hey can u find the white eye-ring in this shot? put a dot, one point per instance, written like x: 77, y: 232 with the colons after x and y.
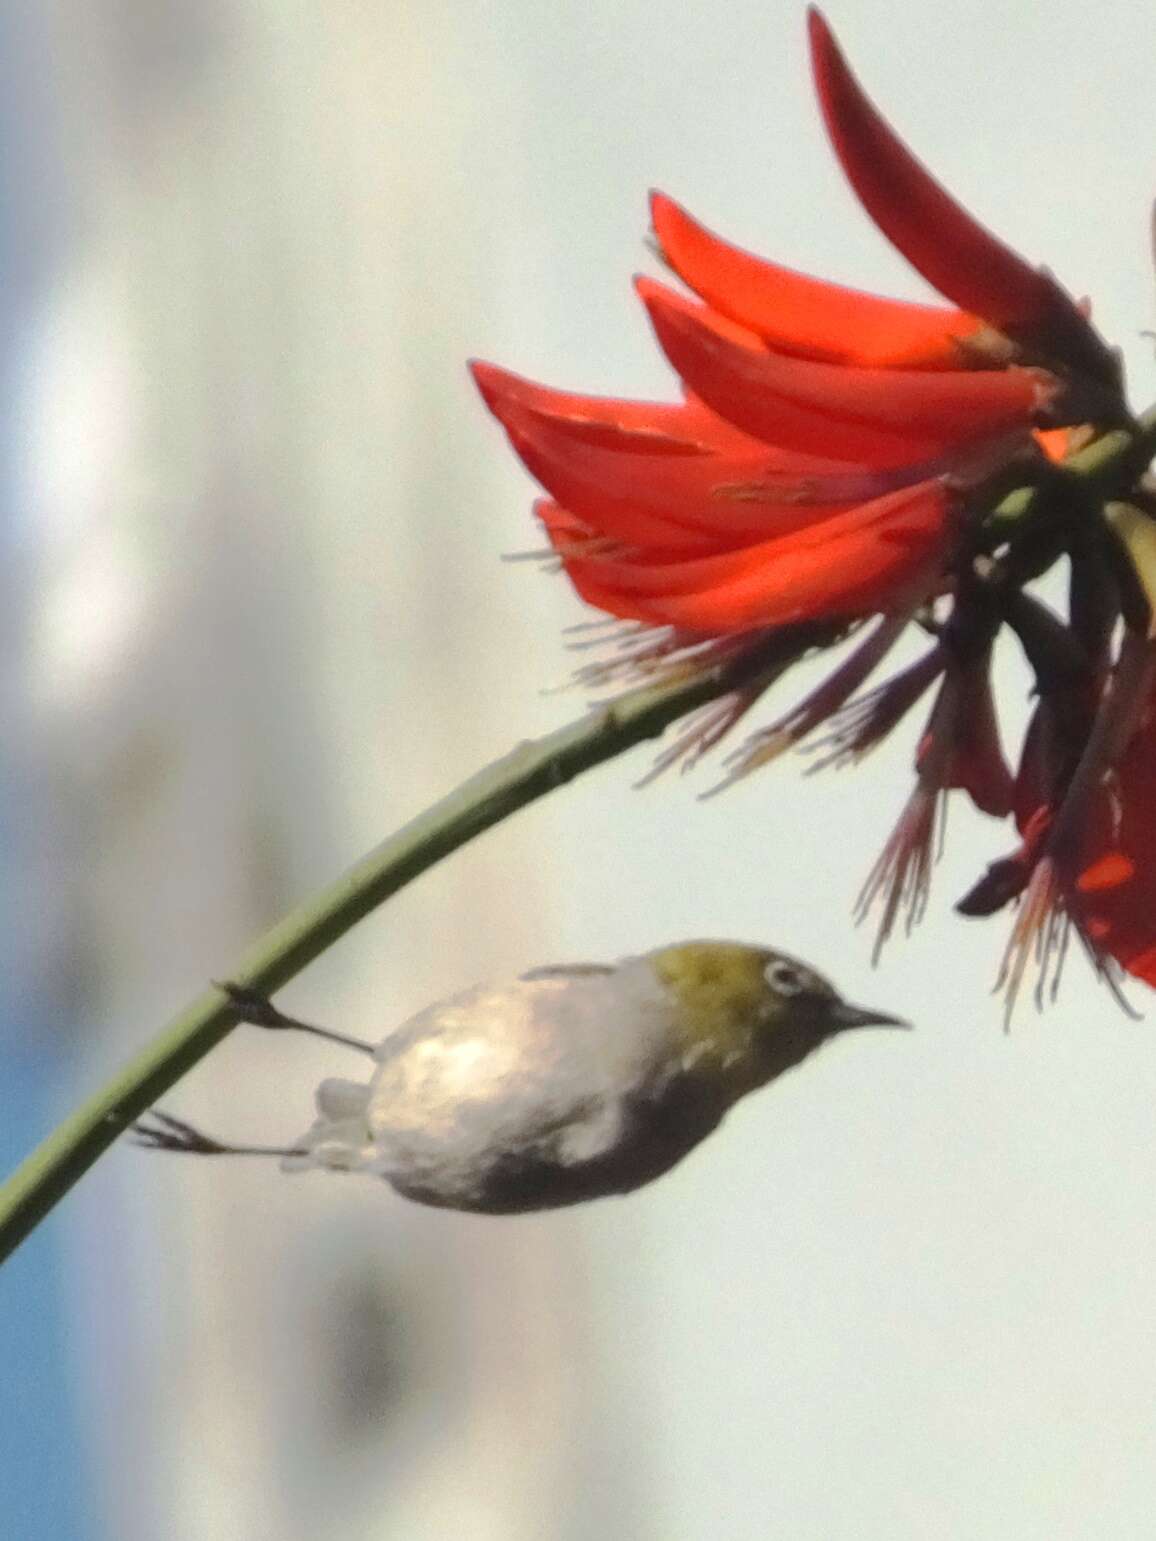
x: 785, y: 978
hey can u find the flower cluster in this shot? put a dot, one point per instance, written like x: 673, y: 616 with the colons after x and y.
x: 844, y: 466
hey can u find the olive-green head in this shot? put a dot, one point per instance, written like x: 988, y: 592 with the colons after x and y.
x: 747, y: 1013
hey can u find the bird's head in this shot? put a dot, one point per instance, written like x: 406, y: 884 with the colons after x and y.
x: 750, y: 1012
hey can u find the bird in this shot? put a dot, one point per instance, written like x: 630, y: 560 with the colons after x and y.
x: 571, y: 1082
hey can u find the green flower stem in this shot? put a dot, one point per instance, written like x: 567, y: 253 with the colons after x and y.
x: 528, y: 772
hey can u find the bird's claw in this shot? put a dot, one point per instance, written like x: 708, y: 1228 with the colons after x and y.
x: 169, y: 1133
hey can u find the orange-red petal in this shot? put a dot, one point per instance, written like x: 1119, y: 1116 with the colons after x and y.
x: 875, y: 416
x: 857, y: 563
x: 805, y: 316
x: 938, y: 237
x: 955, y: 253
x: 565, y: 532
x: 613, y: 491
x: 748, y: 468
x: 657, y: 427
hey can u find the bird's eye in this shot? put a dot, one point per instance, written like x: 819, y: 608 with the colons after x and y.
x: 785, y: 978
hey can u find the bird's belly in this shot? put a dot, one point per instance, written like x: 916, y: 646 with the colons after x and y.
x: 613, y: 1152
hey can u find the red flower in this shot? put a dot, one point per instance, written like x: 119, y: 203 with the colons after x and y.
x: 836, y: 457
x: 804, y: 475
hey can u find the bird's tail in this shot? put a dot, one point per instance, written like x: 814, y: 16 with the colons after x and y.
x: 339, y: 1136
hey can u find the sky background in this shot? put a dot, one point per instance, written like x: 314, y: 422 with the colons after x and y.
x: 258, y: 512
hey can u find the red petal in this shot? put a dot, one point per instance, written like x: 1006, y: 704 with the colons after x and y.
x: 858, y: 563
x: 675, y: 428
x: 978, y: 766
x: 804, y: 316
x: 617, y: 493
x: 941, y: 240
x: 684, y: 429
x: 563, y: 530
x: 877, y: 416
x: 618, y: 519
x: 1114, y: 896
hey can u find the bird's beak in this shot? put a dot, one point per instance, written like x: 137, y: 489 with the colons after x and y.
x: 845, y: 1015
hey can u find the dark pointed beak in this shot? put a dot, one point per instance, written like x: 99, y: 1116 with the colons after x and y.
x: 845, y: 1015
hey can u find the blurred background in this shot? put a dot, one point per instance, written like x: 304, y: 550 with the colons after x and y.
x: 254, y: 618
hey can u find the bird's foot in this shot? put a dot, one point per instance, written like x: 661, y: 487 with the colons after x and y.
x: 165, y: 1132
x: 253, y: 1007
x: 259, y: 1011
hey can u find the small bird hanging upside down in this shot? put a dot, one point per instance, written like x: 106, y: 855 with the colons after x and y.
x: 569, y: 1083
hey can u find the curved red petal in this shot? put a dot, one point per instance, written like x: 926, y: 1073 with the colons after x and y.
x: 1113, y: 894
x: 615, y: 518
x: 741, y: 468
x: 856, y: 564
x: 978, y: 766
x: 563, y: 530
x: 804, y: 316
x: 612, y: 490
x: 685, y: 427
x: 878, y: 416
x: 955, y: 253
